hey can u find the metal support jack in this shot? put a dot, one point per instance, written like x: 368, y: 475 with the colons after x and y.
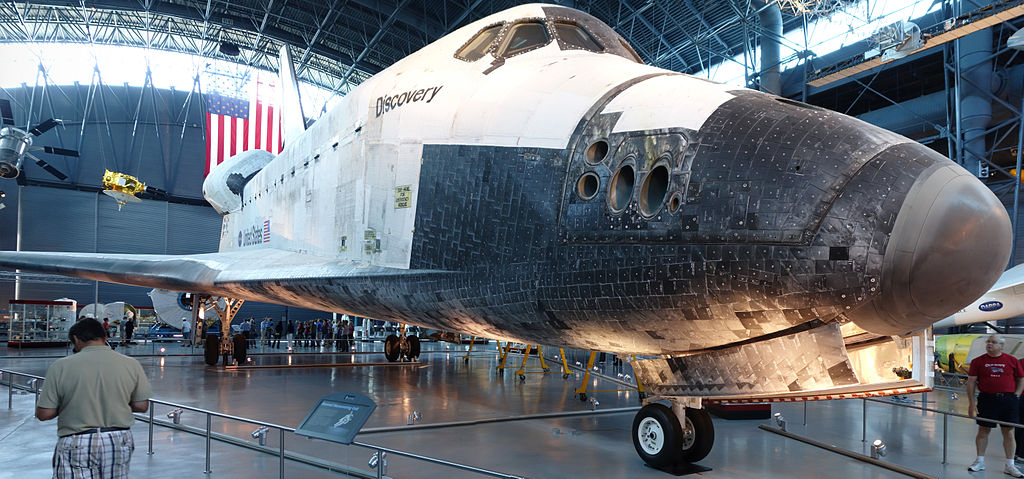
x: 581, y: 392
x: 469, y: 351
x: 503, y: 353
x: 527, y: 351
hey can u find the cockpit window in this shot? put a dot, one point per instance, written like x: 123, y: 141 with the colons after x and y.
x: 573, y: 36
x: 525, y: 36
x: 477, y: 47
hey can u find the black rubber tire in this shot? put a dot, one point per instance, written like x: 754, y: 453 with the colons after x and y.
x: 241, y: 344
x: 211, y: 349
x: 582, y: 396
x: 703, y: 435
x: 391, y: 348
x: 414, y: 346
x: 658, y: 423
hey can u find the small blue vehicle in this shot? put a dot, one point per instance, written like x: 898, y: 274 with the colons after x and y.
x: 159, y: 332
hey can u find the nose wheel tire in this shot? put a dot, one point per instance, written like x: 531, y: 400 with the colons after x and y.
x: 698, y: 435
x: 661, y: 441
x: 657, y: 435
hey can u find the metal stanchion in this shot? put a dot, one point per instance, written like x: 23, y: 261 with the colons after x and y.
x: 209, y: 426
x: 805, y: 413
x: 282, y: 453
x: 864, y: 421
x: 151, y: 408
x: 10, y: 390
x: 945, y: 435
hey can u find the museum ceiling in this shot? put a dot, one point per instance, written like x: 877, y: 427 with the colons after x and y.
x: 339, y: 43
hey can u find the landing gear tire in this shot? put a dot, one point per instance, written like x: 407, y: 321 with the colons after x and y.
x: 414, y: 346
x: 657, y: 436
x: 392, y: 348
x: 211, y: 349
x: 583, y: 397
x: 241, y: 344
x: 661, y: 441
x: 698, y: 435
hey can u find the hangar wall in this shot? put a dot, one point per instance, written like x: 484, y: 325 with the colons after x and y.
x: 165, y: 148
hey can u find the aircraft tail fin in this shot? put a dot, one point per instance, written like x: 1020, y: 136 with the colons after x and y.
x: 293, y: 121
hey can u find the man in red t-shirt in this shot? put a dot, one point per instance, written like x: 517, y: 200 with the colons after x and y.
x: 1000, y: 378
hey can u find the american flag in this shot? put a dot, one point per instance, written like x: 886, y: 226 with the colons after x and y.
x: 234, y: 125
x: 266, y: 231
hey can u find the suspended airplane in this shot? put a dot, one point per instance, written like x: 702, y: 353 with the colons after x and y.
x: 527, y: 177
x: 16, y: 144
x: 1004, y: 300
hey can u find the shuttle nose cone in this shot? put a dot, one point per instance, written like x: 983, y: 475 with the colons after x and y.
x: 950, y: 242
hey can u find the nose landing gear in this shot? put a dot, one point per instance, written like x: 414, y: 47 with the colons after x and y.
x: 668, y: 436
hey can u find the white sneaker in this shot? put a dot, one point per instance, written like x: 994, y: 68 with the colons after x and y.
x: 978, y: 466
x: 1012, y: 470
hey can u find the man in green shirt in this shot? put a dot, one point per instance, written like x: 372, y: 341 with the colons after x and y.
x: 93, y: 394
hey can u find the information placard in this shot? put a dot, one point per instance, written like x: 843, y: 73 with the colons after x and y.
x: 337, y: 417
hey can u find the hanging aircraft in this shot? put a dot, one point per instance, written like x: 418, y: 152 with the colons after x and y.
x: 16, y: 144
x: 528, y: 178
x: 1004, y: 300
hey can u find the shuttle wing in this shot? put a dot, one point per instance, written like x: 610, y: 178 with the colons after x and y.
x: 250, y: 274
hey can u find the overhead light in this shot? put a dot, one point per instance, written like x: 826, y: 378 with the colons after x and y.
x: 2, y: 194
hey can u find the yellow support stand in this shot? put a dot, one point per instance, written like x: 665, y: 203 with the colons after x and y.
x: 523, y: 369
x: 504, y: 354
x: 581, y: 392
x: 470, y: 350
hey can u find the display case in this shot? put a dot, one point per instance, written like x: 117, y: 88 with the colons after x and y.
x: 40, y: 323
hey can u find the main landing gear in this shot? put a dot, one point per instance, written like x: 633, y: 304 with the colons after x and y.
x: 401, y: 347
x: 667, y: 436
x: 233, y: 349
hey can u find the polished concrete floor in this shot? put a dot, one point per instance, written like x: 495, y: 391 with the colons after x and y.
x: 443, y: 388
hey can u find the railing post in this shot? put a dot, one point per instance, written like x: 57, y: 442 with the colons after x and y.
x: 864, y: 421
x: 151, y: 408
x: 380, y: 464
x: 805, y: 413
x: 10, y: 390
x: 945, y: 435
x: 209, y: 426
x: 282, y: 452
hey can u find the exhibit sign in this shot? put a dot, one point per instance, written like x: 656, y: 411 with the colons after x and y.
x: 337, y: 417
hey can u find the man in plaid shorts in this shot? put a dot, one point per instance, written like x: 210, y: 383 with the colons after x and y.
x: 93, y: 393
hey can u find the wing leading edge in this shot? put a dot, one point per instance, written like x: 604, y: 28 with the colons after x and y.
x: 221, y: 274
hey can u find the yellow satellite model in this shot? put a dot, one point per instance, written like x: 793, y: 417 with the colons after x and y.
x: 123, y: 188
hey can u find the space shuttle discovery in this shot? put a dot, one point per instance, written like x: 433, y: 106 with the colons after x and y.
x: 528, y: 177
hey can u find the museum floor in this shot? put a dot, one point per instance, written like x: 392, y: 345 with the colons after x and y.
x: 443, y: 388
